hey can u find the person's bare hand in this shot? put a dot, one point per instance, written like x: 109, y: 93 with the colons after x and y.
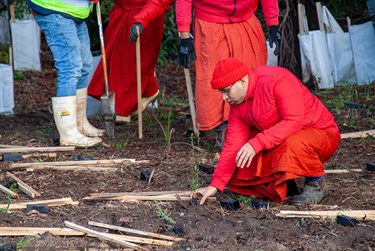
x: 245, y: 155
x: 205, y: 192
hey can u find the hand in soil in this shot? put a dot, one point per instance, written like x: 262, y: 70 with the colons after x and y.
x: 205, y: 192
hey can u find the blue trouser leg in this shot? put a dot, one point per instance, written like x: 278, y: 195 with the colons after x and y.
x: 70, y: 45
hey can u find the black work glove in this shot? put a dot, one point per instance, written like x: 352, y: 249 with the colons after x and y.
x: 3, y: 5
x: 275, y: 37
x: 133, y: 32
x: 186, y: 54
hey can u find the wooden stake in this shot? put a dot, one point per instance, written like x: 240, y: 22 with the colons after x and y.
x: 343, y: 171
x: 134, y: 231
x: 169, y: 193
x: 104, y: 237
x: 361, y: 134
x: 191, y: 99
x: 37, y: 149
x: 11, y: 146
x: 348, y: 21
x: 10, y: 192
x: 358, y: 214
x: 24, y: 187
x: 74, y: 168
x: 140, y: 197
x: 12, y: 15
x: 139, y: 82
x: 320, y: 12
x: 94, y: 163
x: 50, y: 203
x: 29, y: 231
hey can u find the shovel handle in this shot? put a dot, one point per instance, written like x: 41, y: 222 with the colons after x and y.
x: 139, y: 83
x: 102, y: 47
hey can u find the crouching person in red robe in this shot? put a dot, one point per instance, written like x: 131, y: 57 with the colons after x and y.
x: 119, y: 39
x: 277, y: 131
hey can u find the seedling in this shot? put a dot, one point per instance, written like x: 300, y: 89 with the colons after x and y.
x: 164, y: 215
x: 9, y: 197
x: 346, y: 220
x: 230, y: 204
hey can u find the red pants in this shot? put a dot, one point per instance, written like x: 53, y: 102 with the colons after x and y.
x: 300, y: 155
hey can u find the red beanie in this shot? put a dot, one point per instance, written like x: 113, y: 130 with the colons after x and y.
x: 227, y: 72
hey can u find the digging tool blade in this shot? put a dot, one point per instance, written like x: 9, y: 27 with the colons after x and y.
x: 108, y: 98
x: 109, y: 116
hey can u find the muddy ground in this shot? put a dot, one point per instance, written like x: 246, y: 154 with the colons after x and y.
x: 207, y: 227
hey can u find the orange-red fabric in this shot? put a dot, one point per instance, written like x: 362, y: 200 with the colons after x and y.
x: 213, y: 42
x: 121, y: 57
x: 225, y: 11
x: 291, y: 131
x: 300, y: 155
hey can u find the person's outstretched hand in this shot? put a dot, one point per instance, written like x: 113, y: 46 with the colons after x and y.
x: 205, y: 192
x: 275, y: 37
x: 133, y: 31
x: 245, y: 155
x: 186, y: 54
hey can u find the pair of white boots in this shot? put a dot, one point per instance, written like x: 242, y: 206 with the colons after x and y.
x: 71, y: 121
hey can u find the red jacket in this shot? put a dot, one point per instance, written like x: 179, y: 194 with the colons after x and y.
x: 224, y: 11
x: 152, y: 10
x: 278, y: 105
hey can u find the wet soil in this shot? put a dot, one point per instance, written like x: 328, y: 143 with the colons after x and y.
x: 206, y: 227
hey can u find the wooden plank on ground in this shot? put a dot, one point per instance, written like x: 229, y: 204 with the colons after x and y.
x: 358, y: 214
x: 8, y: 191
x: 360, y: 134
x: 112, y: 162
x: 169, y: 193
x: 141, y: 197
x: 75, y: 168
x: 134, y: 231
x: 104, y: 237
x: 50, y: 203
x: 343, y: 171
x: 24, y: 187
x: 29, y: 231
x: 37, y: 149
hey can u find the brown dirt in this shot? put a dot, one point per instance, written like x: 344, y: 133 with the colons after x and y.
x: 207, y: 227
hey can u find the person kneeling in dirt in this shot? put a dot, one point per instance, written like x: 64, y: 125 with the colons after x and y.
x: 63, y: 23
x: 277, y: 131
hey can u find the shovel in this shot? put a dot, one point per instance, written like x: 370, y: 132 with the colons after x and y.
x: 108, y: 98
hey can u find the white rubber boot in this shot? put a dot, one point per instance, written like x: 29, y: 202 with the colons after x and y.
x: 83, y: 124
x: 65, y: 115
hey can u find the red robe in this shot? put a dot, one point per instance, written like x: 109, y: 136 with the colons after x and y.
x: 121, y: 54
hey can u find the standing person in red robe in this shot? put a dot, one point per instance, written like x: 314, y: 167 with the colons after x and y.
x: 222, y: 29
x: 277, y: 131
x: 119, y: 39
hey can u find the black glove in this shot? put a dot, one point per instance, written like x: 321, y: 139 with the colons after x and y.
x: 133, y: 32
x: 3, y: 5
x: 275, y: 37
x: 186, y: 54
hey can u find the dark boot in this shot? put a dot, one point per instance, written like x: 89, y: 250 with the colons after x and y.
x: 313, y: 193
